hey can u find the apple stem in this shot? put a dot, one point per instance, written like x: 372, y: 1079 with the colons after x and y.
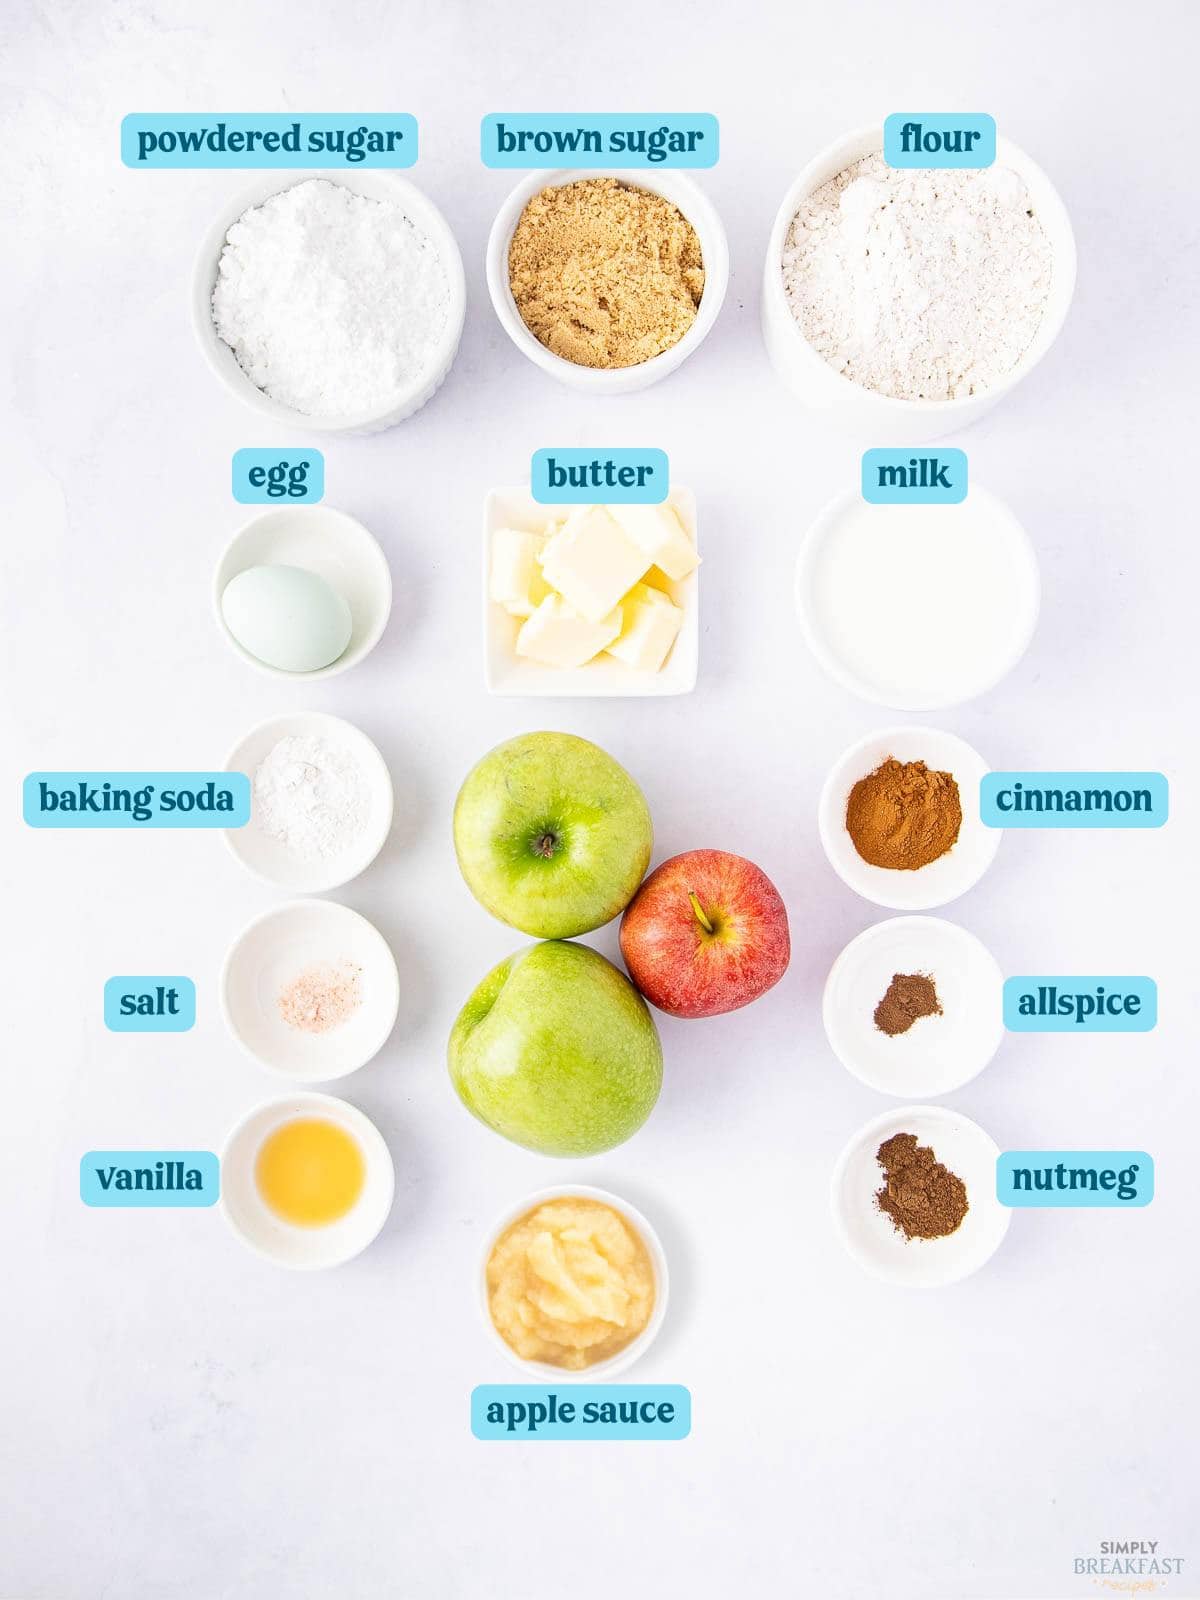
x: 699, y: 910
x: 545, y: 845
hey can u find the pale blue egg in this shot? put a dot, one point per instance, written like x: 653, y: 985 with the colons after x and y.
x: 287, y: 617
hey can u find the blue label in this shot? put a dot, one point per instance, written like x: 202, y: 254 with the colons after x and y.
x: 149, y: 1005
x: 581, y: 1411
x: 149, y: 1178
x: 898, y: 477
x: 136, y: 799
x: 1074, y: 1178
x: 939, y: 139
x: 1080, y: 1005
x: 656, y: 139
x: 261, y: 476
x: 269, y: 139
x: 1073, y: 799
x: 604, y: 477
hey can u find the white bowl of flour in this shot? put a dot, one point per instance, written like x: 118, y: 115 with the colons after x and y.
x: 333, y: 303
x: 903, y: 304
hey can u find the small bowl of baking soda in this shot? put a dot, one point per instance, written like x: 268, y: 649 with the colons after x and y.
x: 331, y: 304
x: 903, y: 303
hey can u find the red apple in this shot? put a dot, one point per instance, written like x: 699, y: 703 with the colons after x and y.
x: 707, y: 932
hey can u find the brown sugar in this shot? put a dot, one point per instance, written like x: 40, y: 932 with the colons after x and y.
x: 605, y: 274
x: 910, y: 996
x: 904, y: 815
x: 924, y: 1199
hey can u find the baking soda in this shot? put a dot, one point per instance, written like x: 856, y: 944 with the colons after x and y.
x: 333, y: 303
x: 919, y: 284
x: 310, y: 795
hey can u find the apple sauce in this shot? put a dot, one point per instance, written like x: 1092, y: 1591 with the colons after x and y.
x: 570, y: 1283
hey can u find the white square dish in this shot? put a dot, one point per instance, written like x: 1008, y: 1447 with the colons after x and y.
x: 506, y: 673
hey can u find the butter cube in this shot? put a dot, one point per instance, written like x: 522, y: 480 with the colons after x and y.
x: 558, y: 636
x: 659, y: 534
x: 650, y: 626
x: 592, y: 563
x: 516, y: 581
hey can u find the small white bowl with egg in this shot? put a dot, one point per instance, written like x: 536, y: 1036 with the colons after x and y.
x: 509, y: 672
x: 305, y: 1248
x: 310, y: 990
x: 269, y: 615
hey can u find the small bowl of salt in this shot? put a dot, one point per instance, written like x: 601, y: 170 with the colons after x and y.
x: 321, y: 804
x: 331, y: 305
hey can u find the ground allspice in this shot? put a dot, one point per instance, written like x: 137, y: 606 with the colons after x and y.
x: 924, y: 1199
x: 910, y: 996
x: 904, y: 815
x: 605, y: 274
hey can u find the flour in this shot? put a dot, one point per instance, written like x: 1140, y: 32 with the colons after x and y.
x: 919, y: 284
x: 311, y: 796
x: 332, y: 303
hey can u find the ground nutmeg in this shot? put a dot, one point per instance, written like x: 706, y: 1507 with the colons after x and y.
x: 924, y: 1199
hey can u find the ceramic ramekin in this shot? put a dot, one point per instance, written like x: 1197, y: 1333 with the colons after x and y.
x: 375, y: 185
x: 681, y: 191
x: 861, y: 411
x: 540, y: 1370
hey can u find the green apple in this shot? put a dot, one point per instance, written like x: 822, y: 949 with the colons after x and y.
x: 557, y: 1051
x: 552, y: 835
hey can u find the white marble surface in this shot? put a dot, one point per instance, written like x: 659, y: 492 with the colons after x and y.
x: 181, y: 1422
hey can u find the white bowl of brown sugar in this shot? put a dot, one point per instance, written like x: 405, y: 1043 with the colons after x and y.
x: 310, y: 990
x: 607, y: 281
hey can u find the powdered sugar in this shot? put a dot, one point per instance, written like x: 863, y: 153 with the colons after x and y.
x: 333, y: 303
x: 310, y: 795
x: 919, y: 284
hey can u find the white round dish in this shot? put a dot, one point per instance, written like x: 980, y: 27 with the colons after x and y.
x: 304, y: 1249
x: 938, y: 1054
x: 919, y: 607
x: 674, y: 186
x: 633, y: 1351
x: 374, y: 185
x: 271, y: 952
x: 265, y: 856
x: 942, y: 880
x: 869, y: 1234
x: 862, y: 411
x: 334, y: 546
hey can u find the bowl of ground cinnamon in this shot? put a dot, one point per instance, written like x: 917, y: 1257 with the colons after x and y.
x: 899, y: 818
x: 914, y: 1197
x: 606, y: 280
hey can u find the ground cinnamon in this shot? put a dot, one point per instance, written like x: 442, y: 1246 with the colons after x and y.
x: 924, y: 1199
x: 904, y: 815
x: 910, y: 996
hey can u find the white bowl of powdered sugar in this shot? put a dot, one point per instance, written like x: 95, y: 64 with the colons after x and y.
x: 903, y: 303
x: 321, y: 802
x: 332, y: 304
